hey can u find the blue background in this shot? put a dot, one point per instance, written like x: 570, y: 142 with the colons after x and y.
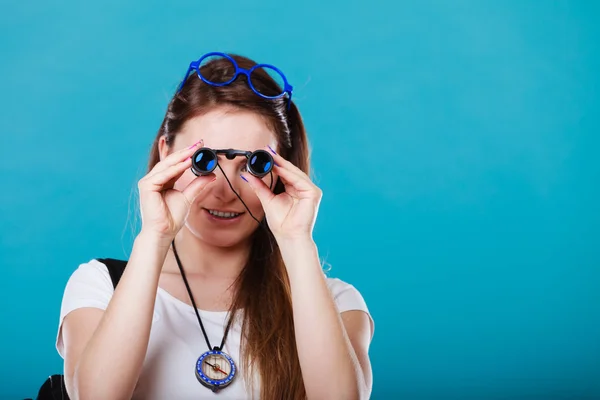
x: 473, y: 232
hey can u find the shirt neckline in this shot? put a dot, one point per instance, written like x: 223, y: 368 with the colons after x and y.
x: 188, y: 307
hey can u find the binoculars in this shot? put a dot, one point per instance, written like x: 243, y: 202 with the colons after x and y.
x: 259, y: 162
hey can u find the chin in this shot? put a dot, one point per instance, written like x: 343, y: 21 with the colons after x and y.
x: 222, y: 240
x: 219, y: 238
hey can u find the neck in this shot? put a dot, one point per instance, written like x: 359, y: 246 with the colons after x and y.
x: 205, y: 260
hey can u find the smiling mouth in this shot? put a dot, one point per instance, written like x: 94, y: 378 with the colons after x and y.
x: 223, y: 214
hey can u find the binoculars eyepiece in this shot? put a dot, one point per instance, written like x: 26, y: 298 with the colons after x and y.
x: 259, y: 162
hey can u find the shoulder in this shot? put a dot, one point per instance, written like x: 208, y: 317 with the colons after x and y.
x: 346, y: 296
x: 88, y: 285
x: 91, y: 273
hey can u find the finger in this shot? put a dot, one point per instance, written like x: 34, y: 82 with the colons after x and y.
x: 290, y: 178
x: 166, y: 177
x: 176, y: 157
x: 260, y: 188
x: 281, y: 162
x: 197, y: 185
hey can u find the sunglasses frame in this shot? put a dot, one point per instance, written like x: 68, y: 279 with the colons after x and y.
x: 195, y: 65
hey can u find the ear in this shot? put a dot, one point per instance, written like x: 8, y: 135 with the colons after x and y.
x: 163, y: 147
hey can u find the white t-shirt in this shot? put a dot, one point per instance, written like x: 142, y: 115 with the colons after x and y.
x: 176, y: 340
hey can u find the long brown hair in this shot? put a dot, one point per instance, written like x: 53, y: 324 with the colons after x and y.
x: 268, y: 344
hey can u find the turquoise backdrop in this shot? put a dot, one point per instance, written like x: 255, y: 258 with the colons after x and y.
x: 472, y: 230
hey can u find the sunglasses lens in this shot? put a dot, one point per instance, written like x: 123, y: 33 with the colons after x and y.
x: 267, y: 81
x: 221, y: 70
x: 204, y: 162
x: 260, y: 163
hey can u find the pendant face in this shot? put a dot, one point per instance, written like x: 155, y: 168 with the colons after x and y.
x: 215, y: 369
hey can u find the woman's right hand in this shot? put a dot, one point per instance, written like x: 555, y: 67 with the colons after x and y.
x: 163, y: 208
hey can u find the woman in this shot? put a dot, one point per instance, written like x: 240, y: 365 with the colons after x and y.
x: 223, y: 295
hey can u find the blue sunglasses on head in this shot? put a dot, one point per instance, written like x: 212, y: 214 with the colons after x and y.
x: 251, y: 76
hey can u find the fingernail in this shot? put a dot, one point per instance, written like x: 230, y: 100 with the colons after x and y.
x: 195, y: 144
x: 244, y: 178
x: 277, y: 165
x: 271, y: 149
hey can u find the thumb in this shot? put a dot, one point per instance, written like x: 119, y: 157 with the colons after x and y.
x: 196, y: 186
x: 261, y: 190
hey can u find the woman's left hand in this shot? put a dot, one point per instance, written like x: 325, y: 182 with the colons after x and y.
x: 291, y: 214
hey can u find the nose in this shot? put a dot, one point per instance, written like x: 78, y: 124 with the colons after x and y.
x: 221, y: 190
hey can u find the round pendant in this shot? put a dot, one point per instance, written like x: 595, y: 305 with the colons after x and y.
x: 215, y: 369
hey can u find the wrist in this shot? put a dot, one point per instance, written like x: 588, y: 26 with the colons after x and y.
x: 296, y: 248
x: 300, y: 256
x: 152, y: 240
x: 293, y: 242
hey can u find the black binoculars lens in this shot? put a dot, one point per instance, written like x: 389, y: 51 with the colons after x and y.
x: 260, y: 163
x: 204, y: 162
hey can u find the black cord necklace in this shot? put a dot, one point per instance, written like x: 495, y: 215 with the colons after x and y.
x: 214, y: 368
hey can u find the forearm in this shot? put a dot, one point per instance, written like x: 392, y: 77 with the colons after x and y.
x: 109, y: 366
x: 329, y: 365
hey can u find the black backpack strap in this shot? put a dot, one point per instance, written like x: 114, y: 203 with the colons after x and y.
x: 53, y: 389
x: 115, y: 268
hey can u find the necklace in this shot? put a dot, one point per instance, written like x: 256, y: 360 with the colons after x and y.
x: 215, y: 369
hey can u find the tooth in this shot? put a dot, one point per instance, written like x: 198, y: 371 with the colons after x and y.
x: 223, y: 214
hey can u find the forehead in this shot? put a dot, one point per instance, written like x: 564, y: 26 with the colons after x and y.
x: 228, y: 128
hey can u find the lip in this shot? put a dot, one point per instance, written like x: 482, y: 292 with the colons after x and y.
x: 222, y: 221
x: 225, y: 211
